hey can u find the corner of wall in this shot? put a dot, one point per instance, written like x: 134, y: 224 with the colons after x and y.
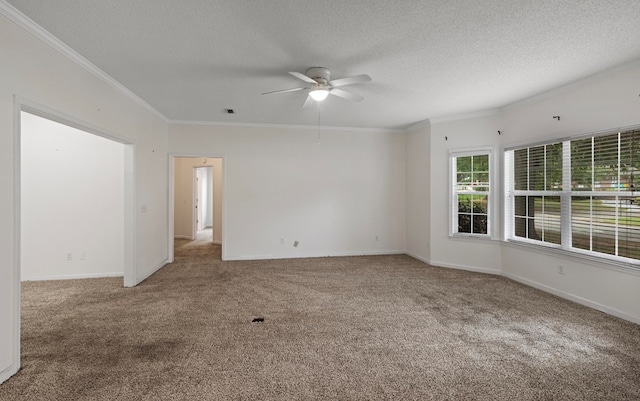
x: 8, y: 372
x: 417, y: 200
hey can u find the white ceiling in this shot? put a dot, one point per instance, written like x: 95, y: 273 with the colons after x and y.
x: 192, y: 59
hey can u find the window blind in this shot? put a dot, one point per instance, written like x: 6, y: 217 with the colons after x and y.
x: 577, y: 194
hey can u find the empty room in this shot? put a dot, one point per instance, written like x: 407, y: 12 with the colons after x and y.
x: 320, y: 200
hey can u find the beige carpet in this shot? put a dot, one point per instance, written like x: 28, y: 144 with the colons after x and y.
x: 356, y: 328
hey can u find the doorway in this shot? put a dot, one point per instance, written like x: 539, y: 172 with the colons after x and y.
x: 72, y: 208
x: 66, y: 259
x: 196, y: 201
x: 203, y: 202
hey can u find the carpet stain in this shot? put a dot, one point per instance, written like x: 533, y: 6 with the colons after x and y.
x: 157, y: 351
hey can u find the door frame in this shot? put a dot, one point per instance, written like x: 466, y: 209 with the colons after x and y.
x: 197, y: 199
x: 129, y: 262
x: 171, y: 189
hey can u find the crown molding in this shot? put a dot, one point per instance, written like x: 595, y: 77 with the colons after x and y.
x: 223, y: 124
x: 465, y: 116
x: 419, y: 125
x: 14, y: 15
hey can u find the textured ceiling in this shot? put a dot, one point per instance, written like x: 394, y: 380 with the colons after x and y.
x: 193, y: 59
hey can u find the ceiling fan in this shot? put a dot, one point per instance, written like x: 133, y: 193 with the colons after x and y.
x: 321, y: 85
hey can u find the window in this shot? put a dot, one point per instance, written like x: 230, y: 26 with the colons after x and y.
x: 577, y: 194
x: 537, y: 173
x: 471, y: 196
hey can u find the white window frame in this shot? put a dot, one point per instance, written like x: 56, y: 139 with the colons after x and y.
x: 566, y: 195
x: 511, y: 193
x: 453, y: 192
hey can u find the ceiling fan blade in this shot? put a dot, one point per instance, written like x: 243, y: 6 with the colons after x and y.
x: 284, y: 90
x: 346, y: 95
x: 350, y: 80
x: 308, y: 102
x: 303, y: 77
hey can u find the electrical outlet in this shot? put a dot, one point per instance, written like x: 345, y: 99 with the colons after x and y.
x: 295, y: 243
x: 69, y: 256
x: 377, y: 238
x: 281, y: 240
x: 83, y: 256
x: 560, y: 269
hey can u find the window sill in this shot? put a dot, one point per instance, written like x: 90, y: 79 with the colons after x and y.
x: 473, y: 238
x: 618, y: 266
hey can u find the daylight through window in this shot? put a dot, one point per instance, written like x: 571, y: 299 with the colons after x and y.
x: 471, y: 193
x: 577, y: 194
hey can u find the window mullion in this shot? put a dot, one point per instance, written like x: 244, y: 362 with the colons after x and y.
x: 509, y: 211
x: 618, y: 183
x: 453, y: 204
x: 528, y: 169
x: 591, y: 223
x: 472, y: 211
x: 615, y: 228
x: 593, y: 163
x: 565, y: 197
x: 544, y: 166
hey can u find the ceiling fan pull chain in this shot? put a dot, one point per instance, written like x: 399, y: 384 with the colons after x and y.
x: 318, y: 122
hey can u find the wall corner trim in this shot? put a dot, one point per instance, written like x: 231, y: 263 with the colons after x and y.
x: 420, y: 258
x: 150, y: 272
x: 8, y: 372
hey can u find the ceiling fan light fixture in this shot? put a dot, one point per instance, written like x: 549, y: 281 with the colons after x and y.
x: 319, y: 94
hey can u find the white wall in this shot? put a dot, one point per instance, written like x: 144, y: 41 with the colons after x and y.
x: 446, y: 136
x: 206, y: 196
x: 72, y: 198
x: 418, y: 202
x: 606, y: 101
x: 34, y: 71
x: 183, y: 195
x: 334, y: 197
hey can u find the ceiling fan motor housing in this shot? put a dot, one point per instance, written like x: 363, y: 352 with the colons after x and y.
x: 321, y: 75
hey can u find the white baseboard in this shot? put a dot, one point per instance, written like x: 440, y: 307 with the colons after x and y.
x: 154, y: 269
x: 8, y: 372
x: 311, y: 255
x: 465, y: 267
x: 542, y: 287
x: 73, y: 276
x: 191, y: 239
x: 577, y: 299
x: 369, y: 253
x: 420, y: 258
